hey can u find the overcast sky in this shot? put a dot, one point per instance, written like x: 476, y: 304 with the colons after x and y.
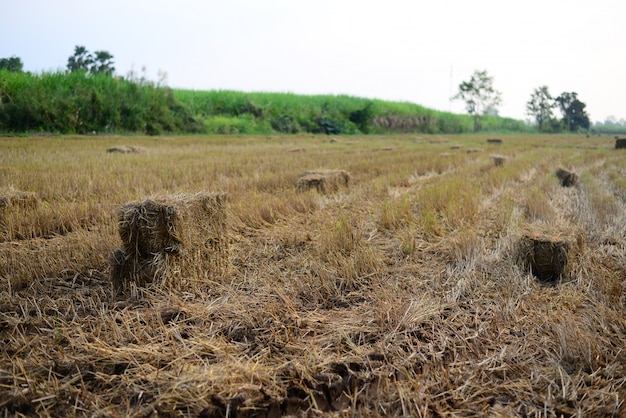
x: 401, y: 50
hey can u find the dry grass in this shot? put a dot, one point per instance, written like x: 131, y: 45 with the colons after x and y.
x: 402, y: 295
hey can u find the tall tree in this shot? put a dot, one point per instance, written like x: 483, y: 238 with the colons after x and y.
x: 540, y: 106
x: 81, y: 60
x: 575, y: 116
x: 13, y: 64
x: 103, y: 63
x: 479, y: 95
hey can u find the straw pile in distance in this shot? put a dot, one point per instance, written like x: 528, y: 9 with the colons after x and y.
x: 123, y: 149
x: 169, y: 240
x: 10, y: 197
x: 548, y: 252
x: 324, y: 181
x: 498, y: 160
x: 566, y: 177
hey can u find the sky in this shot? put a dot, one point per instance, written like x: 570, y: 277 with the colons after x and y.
x: 399, y: 50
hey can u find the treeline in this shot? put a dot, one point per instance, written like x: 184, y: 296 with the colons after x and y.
x: 81, y: 102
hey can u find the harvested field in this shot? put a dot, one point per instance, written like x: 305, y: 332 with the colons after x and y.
x: 431, y: 286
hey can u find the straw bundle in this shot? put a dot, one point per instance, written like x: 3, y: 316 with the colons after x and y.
x: 567, y: 178
x: 123, y: 149
x: 548, y: 253
x: 12, y: 197
x: 494, y: 141
x: 324, y: 181
x: 170, y: 239
x: 498, y: 160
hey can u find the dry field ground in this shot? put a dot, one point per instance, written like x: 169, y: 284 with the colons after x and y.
x: 406, y: 292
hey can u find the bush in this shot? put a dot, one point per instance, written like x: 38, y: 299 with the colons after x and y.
x: 245, y: 124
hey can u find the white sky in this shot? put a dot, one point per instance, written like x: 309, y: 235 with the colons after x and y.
x: 401, y: 50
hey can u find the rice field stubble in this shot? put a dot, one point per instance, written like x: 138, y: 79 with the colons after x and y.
x: 398, y: 294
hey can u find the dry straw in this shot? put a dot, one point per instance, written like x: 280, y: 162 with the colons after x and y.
x: 170, y: 240
x: 123, y: 149
x: 10, y: 197
x: 324, y: 181
x: 549, y: 252
x: 498, y: 160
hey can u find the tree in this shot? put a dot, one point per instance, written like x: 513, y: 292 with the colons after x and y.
x: 479, y: 95
x: 540, y: 106
x: 83, y: 60
x: 13, y: 64
x: 103, y: 63
x: 573, y: 110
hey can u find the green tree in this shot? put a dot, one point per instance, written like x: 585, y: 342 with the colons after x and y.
x: 479, y: 95
x: 13, y: 64
x: 83, y: 60
x: 575, y: 116
x: 540, y: 106
x: 103, y: 63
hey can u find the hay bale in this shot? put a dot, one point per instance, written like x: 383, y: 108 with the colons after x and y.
x: 312, y: 181
x: 566, y: 177
x: 123, y: 149
x: 126, y: 268
x: 498, y: 160
x: 170, y: 239
x: 324, y: 181
x: 494, y: 141
x: 10, y: 197
x: 620, y: 143
x: 547, y: 253
x: 473, y: 150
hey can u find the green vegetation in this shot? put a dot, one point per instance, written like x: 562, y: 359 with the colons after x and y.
x: 541, y: 103
x: 81, y: 103
x: 479, y: 95
x: 85, y: 102
x: 291, y: 113
x: 83, y: 60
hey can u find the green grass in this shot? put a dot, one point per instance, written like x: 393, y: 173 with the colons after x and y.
x: 86, y: 103
x: 80, y: 103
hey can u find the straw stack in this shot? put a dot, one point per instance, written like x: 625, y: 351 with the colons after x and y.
x: 566, y: 177
x: 549, y: 252
x: 324, y: 181
x: 171, y: 240
x: 10, y: 197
